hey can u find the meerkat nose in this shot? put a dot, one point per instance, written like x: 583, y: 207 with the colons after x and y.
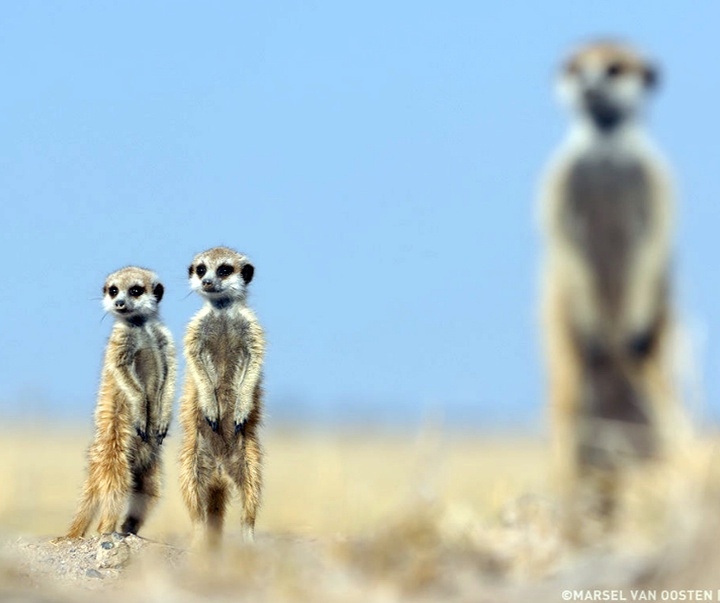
x: 120, y: 303
x: 592, y: 94
x: 207, y: 282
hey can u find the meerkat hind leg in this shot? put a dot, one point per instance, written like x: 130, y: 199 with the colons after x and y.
x: 145, y: 493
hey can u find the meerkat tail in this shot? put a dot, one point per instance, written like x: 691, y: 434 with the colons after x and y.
x: 112, y: 507
x: 86, y: 513
x: 188, y: 460
x: 216, y: 502
x: 249, y: 483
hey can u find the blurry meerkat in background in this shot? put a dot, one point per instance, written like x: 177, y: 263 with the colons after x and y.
x: 133, y: 408
x: 221, y: 406
x: 608, y: 221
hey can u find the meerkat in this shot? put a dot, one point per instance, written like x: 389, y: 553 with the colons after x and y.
x: 607, y: 218
x: 133, y: 408
x: 221, y: 405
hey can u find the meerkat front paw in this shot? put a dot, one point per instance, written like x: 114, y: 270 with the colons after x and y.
x: 141, y: 430
x: 642, y: 344
x: 214, y: 423
x: 596, y: 352
x: 241, y: 417
x: 160, y: 434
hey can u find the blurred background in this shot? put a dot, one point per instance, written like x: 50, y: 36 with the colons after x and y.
x: 378, y: 161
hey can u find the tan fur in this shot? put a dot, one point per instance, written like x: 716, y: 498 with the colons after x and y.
x: 574, y: 314
x: 605, y: 52
x: 132, y: 413
x: 221, y: 406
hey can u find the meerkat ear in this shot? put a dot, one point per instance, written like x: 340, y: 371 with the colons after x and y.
x: 104, y: 289
x: 191, y: 269
x: 158, y: 292
x: 247, y: 272
x: 652, y: 76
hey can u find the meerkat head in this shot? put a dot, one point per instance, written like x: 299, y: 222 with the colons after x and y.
x: 221, y: 275
x: 606, y: 83
x: 132, y: 294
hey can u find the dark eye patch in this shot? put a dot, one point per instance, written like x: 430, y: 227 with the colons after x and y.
x: 136, y: 291
x: 201, y: 270
x: 113, y: 291
x: 615, y: 69
x: 225, y: 270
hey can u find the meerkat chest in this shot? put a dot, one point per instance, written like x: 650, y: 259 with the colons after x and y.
x: 225, y: 341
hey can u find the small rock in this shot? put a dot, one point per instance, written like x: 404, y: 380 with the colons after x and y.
x: 93, y: 573
x: 113, y: 551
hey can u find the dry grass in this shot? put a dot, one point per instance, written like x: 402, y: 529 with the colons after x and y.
x: 369, y: 516
x: 316, y: 483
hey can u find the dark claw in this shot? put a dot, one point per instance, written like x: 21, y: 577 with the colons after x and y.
x: 240, y: 428
x: 641, y: 346
x: 595, y: 353
x: 142, y: 434
x: 131, y: 525
x: 213, y: 424
x: 160, y: 437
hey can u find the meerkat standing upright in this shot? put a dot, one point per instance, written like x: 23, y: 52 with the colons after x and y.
x: 133, y: 409
x: 221, y: 406
x: 607, y: 213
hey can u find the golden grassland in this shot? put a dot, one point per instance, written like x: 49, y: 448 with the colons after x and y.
x: 318, y: 483
x: 366, y: 515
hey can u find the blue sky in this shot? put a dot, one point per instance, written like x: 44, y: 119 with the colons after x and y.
x: 378, y: 161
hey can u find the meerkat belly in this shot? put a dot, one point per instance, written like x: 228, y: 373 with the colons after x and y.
x: 228, y: 356
x: 608, y: 214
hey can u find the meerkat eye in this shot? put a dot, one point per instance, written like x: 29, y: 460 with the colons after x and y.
x: 136, y: 291
x: 113, y: 291
x: 201, y: 270
x: 225, y: 270
x: 571, y: 68
x: 614, y: 70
